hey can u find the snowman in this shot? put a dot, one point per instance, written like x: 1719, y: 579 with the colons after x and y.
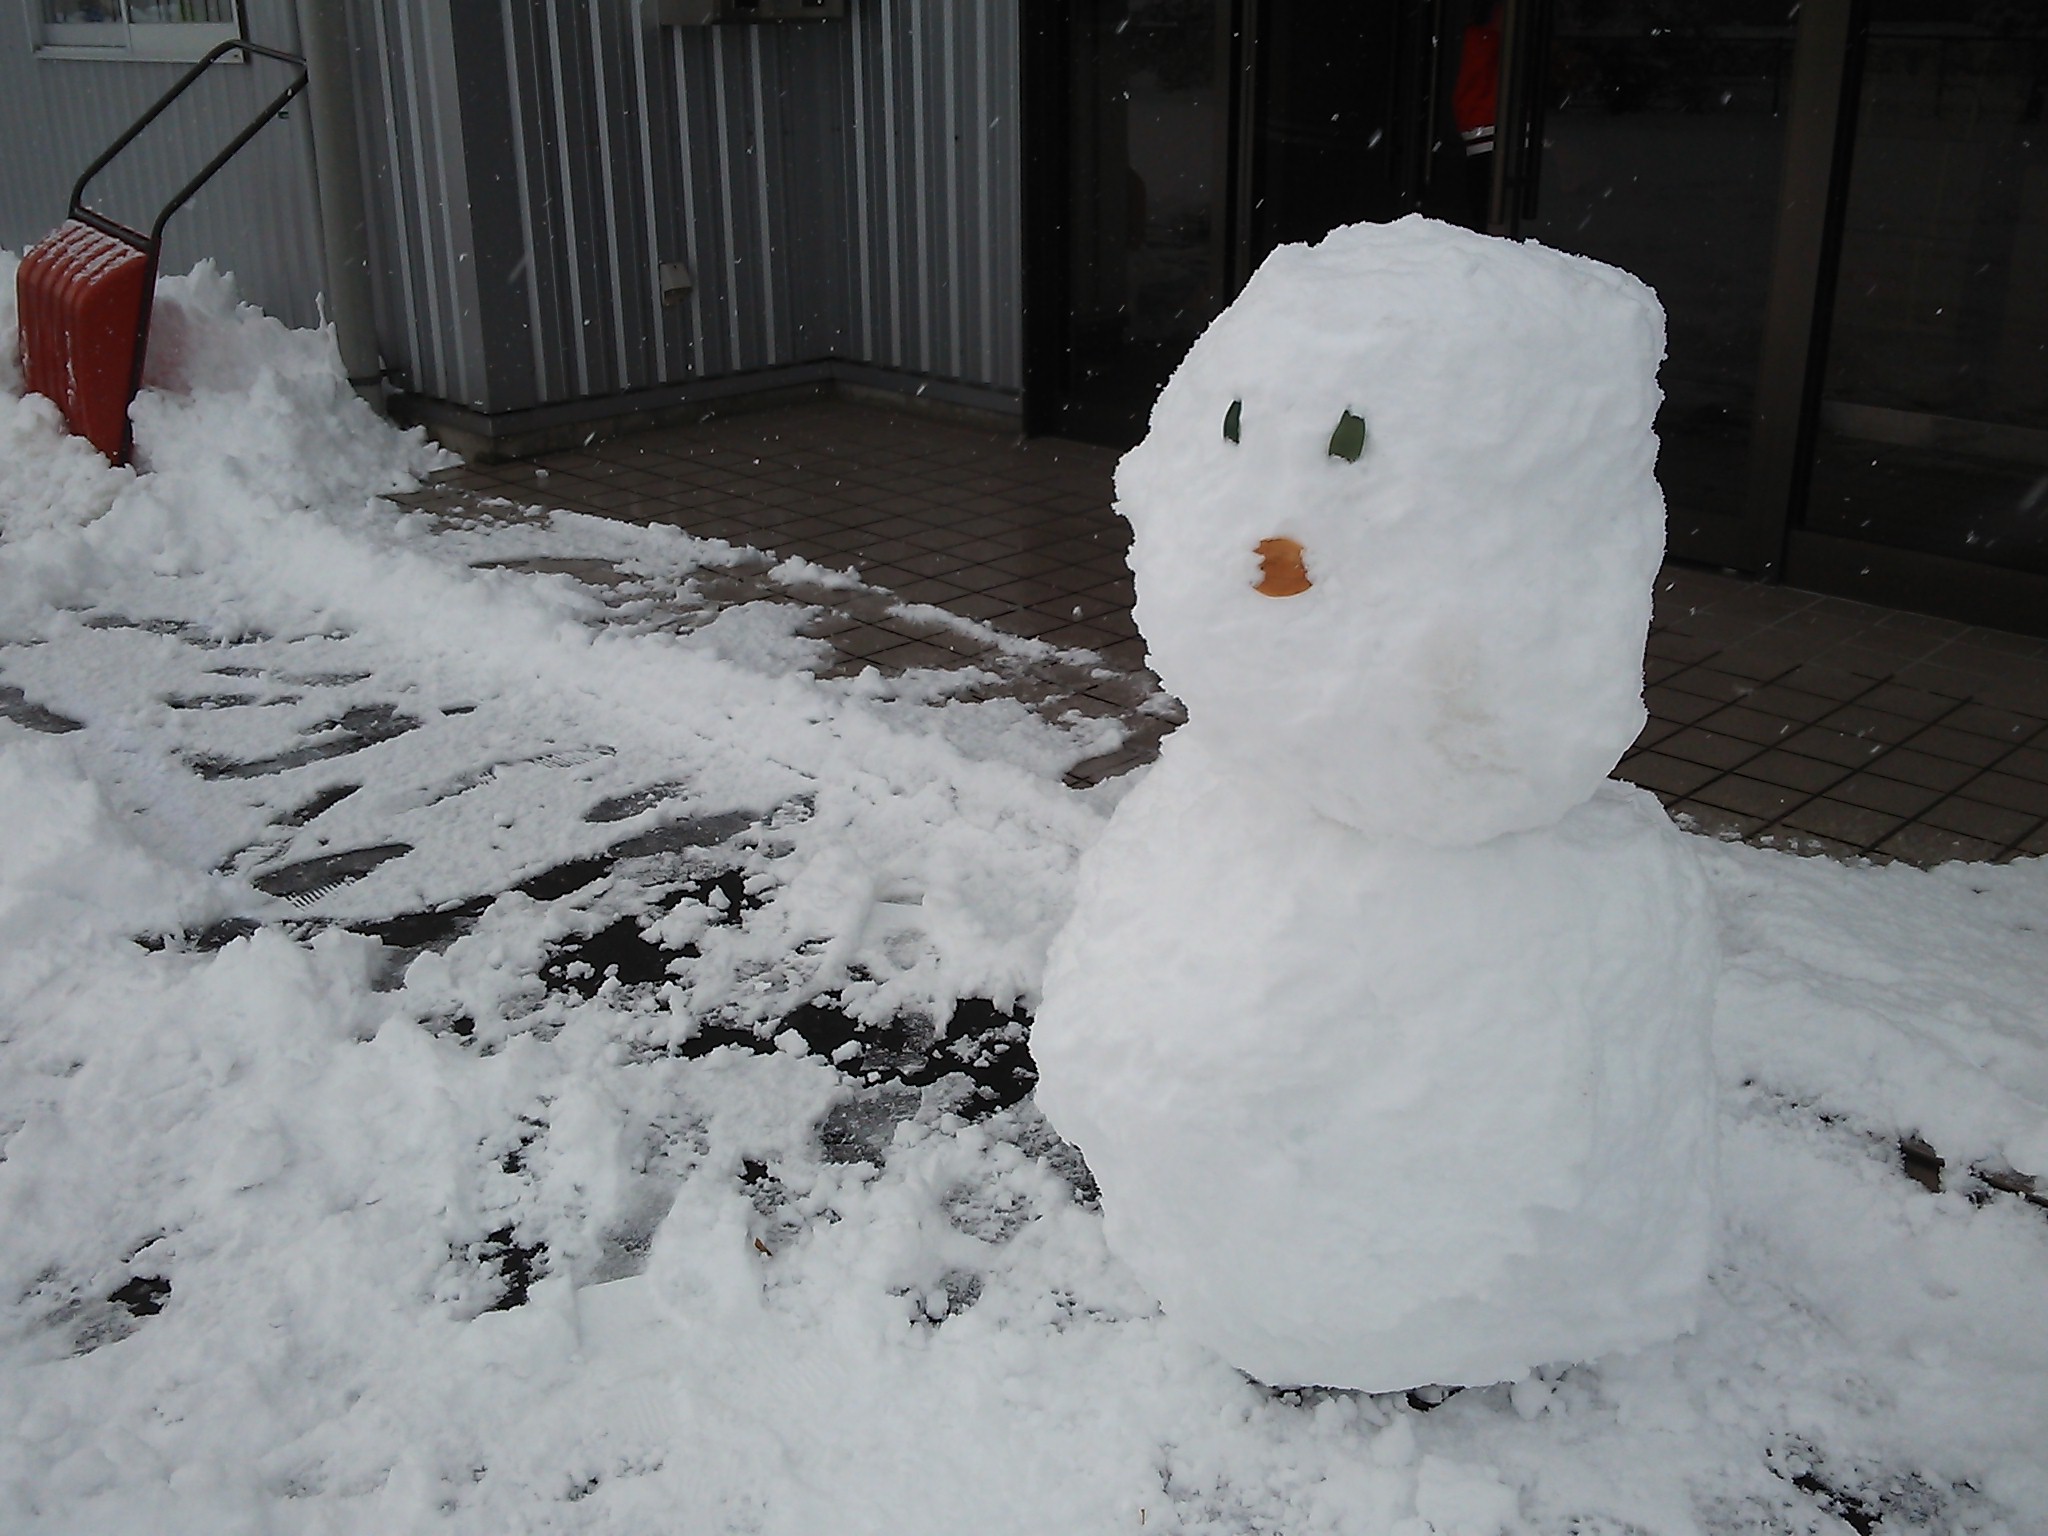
x: 1381, y: 1016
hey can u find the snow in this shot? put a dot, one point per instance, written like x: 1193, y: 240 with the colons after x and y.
x: 1466, y: 1092
x: 1468, y: 656
x: 1377, y: 969
x: 333, y: 1141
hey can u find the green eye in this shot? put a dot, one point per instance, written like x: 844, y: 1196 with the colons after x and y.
x: 1233, y: 420
x: 1348, y: 441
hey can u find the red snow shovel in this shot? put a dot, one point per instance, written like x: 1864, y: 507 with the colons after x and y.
x: 84, y: 292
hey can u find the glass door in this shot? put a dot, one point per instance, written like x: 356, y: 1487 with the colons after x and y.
x: 1932, y: 430
x: 1659, y: 135
x: 1336, y: 127
x: 1143, y: 261
x: 1170, y: 145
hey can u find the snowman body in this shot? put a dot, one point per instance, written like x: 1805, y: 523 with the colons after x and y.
x: 1382, y: 1017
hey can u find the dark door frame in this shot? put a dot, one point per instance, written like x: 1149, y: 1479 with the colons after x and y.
x: 1763, y: 535
x: 1042, y: 67
x: 1813, y: 195
x: 1812, y: 189
x: 1827, y: 88
x: 1048, y: 144
x: 1044, y: 70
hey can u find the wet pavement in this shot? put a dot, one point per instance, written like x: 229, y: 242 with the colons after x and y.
x: 1777, y: 716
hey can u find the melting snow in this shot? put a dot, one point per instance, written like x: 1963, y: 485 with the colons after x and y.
x: 475, y: 1057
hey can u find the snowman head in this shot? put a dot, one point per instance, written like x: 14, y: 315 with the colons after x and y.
x: 1396, y: 524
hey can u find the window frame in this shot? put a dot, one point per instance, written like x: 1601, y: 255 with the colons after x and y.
x: 158, y: 42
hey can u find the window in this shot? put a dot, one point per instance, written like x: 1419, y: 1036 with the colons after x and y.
x: 135, y: 29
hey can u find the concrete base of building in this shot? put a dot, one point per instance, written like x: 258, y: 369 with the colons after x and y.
x: 490, y: 437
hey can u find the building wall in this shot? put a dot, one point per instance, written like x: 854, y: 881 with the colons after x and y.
x: 936, y: 280
x: 839, y: 189
x: 258, y: 218
x: 431, y: 321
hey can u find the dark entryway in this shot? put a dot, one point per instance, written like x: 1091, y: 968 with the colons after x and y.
x: 1135, y: 126
x: 1656, y: 142
x: 1844, y: 206
x: 1173, y: 143
x: 1842, y: 203
x: 1932, y: 430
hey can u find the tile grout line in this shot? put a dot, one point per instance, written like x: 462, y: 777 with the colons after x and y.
x: 1776, y: 822
x: 836, y: 472
x: 1978, y: 771
x: 1846, y: 773
x: 2039, y: 733
x: 1944, y: 796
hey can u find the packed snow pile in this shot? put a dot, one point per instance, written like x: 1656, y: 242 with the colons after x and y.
x: 1377, y: 969
x: 1455, y: 432
x: 1463, y: 1091
x: 473, y: 1059
x: 70, y: 869
x: 234, y: 401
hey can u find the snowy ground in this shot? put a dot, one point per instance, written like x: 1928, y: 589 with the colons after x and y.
x: 476, y: 1055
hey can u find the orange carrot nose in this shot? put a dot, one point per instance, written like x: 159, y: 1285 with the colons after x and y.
x: 1281, y: 571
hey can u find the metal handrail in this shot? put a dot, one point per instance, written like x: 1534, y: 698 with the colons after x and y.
x: 148, y: 243
x: 151, y: 244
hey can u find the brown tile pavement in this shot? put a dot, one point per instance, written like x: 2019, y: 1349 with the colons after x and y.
x: 1860, y: 729
x: 1776, y: 715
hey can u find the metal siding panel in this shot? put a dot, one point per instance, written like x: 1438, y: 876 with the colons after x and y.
x: 524, y: 182
x: 703, y: 184
x: 728, y: 296
x: 454, y: 243
x: 420, y: 162
x: 984, y: 201
x: 921, y: 180
x: 573, y: 262
x: 610, y: 180
x: 549, y: 210
x: 751, y: 270
x: 647, y: 98
x: 718, y: 274
x: 763, y: 140
x: 375, y: 112
x: 892, y: 187
x: 688, y: 175
x: 834, y: 166
x: 488, y: 224
x: 728, y: 225
x: 584, y: 196
x: 257, y: 219
x: 863, y: 254
x: 418, y: 371
x: 951, y: 62
x: 431, y: 323
x: 803, y: 199
x: 590, y: 195
x: 813, y: 176
x: 619, y: 180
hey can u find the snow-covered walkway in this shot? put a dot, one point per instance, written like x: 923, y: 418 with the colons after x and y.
x: 481, y: 1052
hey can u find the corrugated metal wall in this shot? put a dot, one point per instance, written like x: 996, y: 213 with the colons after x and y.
x: 430, y: 323
x: 840, y: 189
x: 937, y: 270
x: 761, y: 135
x: 258, y: 218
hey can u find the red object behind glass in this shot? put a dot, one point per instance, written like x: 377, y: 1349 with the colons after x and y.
x: 1475, y: 99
